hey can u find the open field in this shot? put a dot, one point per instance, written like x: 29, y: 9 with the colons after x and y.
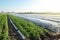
x: 15, y: 27
x: 30, y: 30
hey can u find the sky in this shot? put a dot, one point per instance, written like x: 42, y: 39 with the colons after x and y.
x: 30, y: 5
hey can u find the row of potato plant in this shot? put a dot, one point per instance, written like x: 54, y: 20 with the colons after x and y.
x: 4, y: 27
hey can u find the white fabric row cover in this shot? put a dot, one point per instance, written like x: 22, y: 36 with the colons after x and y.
x: 53, y: 26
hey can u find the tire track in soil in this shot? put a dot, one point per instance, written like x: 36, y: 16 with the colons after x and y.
x: 12, y: 32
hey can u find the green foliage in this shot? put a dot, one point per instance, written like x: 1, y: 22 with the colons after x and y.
x: 29, y: 29
x: 3, y: 27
